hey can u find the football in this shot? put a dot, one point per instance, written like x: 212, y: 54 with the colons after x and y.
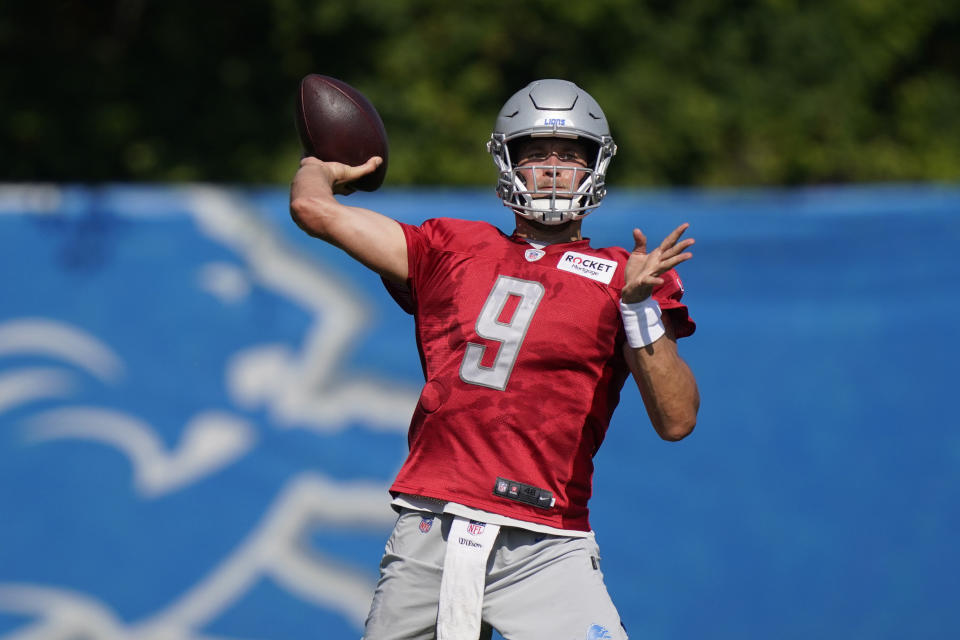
x: 337, y: 123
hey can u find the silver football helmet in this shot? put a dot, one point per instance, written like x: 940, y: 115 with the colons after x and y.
x: 552, y: 109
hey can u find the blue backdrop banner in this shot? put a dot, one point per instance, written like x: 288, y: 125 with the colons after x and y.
x: 201, y: 408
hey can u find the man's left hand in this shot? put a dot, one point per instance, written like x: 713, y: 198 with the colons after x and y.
x: 644, y: 269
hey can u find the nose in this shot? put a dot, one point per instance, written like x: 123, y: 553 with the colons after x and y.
x: 559, y: 172
x: 553, y: 164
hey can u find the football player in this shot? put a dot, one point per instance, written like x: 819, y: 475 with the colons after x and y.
x: 526, y: 340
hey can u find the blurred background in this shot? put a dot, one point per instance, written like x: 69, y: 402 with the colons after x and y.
x: 201, y: 407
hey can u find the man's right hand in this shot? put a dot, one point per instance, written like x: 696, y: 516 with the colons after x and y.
x: 318, y: 178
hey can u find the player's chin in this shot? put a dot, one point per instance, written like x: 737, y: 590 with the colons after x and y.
x: 553, y: 228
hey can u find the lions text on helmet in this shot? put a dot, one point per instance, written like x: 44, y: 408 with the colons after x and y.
x: 552, y: 146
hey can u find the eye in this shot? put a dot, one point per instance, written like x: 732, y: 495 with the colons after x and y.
x: 541, y: 156
x: 572, y: 156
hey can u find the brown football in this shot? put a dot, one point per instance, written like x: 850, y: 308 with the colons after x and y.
x: 337, y: 123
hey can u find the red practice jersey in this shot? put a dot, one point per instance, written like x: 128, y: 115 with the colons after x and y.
x: 522, y: 353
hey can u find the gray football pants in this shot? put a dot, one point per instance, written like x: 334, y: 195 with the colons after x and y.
x: 538, y: 587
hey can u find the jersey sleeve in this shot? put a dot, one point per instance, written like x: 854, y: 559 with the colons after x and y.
x: 419, y: 240
x: 668, y: 295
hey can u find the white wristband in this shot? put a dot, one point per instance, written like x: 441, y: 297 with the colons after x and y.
x: 641, y: 321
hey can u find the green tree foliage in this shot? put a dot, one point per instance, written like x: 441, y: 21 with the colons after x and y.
x: 698, y: 92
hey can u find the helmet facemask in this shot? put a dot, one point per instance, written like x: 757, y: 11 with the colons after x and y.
x: 535, y: 194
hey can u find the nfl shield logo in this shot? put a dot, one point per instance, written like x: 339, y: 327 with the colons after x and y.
x: 532, y: 255
x: 475, y: 528
x: 426, y: 522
